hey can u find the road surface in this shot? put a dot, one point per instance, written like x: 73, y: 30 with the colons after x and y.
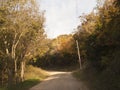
x: 60, y: 81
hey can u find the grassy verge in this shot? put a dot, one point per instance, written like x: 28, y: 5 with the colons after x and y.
x: 87, y: 77
x: 2, y: 88
x: 27, y: 84
x: 96, y: 80
x: 33, y: 76
x: 35, y: 73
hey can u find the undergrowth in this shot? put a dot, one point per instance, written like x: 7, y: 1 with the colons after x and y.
x: 96, y: 80
x: 33, y: 76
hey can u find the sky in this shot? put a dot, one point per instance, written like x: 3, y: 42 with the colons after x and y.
x: 62, y: 15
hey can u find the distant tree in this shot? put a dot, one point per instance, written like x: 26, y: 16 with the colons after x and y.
x: 60, y: 53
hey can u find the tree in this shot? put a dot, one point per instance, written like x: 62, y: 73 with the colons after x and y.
x: 21, y: 30
x: 60, y: 52
x: 99, y: 33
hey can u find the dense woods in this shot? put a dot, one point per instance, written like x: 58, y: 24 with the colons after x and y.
x: 23, y: 42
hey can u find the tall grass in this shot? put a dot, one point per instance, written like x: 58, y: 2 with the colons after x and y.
x: 35, y: 73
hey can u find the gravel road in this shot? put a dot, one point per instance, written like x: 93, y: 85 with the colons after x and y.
x: 60, y: 81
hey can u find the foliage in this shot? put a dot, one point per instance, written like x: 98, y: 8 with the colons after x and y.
x: 21, y: 29
x: 61, y: 53
x: 101, y: 45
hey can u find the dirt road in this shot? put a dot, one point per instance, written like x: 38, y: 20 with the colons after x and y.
x: 60, y: 81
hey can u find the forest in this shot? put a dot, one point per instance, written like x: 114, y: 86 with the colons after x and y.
x: 24, y: 45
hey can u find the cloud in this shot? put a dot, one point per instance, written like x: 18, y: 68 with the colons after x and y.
x: 61, y: 15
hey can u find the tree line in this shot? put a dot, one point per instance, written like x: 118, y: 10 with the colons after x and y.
x: 61, y: 53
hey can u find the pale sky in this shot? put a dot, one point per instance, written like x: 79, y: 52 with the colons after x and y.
x: 62, y: 15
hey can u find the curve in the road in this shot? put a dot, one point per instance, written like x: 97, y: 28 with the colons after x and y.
x: 60, y: 81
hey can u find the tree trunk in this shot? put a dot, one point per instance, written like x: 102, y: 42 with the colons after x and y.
x: 15, y: 71
x: 10, y: 77
x: 11, y: 73
x: 22, y: 71
x: 79, y: 54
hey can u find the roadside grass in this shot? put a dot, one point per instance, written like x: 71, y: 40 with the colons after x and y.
x: 35, y: 73
x: 2, y: 88
x: 95, y: 80
x: 33, y: 76
x: 26, y: 85
x: 87, y: 77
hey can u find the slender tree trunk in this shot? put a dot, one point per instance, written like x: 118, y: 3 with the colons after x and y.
x: 15, y: 71
x: 22, y: 70
x: 13, y: 55
x: 10, y: 69
x: 79, y: 54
